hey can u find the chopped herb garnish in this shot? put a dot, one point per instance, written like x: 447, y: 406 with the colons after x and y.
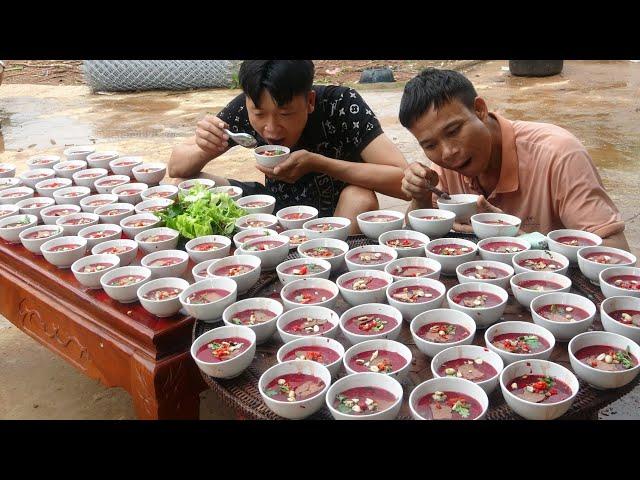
x: 531, y: 340
x: 624, y: 358
x: 462, y: 408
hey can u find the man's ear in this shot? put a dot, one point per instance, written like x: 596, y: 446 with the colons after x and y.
x: 480, y: 108
x: 311, y: 101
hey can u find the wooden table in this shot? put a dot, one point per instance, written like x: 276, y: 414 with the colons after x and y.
x: 119, y: 345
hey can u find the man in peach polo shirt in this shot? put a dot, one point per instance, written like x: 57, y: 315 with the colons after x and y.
x: 538, y: 172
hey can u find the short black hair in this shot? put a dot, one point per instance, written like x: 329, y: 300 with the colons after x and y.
x: 434, y: 87
x: 283, y: 79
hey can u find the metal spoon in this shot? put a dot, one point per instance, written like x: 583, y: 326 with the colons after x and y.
x: 242, y: 139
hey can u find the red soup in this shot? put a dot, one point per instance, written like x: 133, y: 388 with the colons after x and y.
x: 297, y: 239
x: 308, y: 326
x: 78, y: 221
x: 503, y: 247
x: 41, y: 234
x: 495, y: 222
x: 539, y: 285
x: 294, y: 387
x: 165, y: 293
x: 141, y: 223
x: 484, y: 273
x: 383, y: 361
x: 165, y: 262
x: 254, y: 204
x: 363, y: 400
x: 309, y: 296
x: 96, y: 267
x: 627, y: 317
x: 64, y: 248
x: 252, y: 317
x: 208, y: 246
x: 117, y: 250
x: 380, y: 218
x: 539, y: 389
x: 296, y: 216
x: 323, y: 252
x: 125, y: 280
x: 304, y: 269
x: 473, y: 369
x: 115, y: 211
x: 125, y: 193
x: 322, y: 355
x: 157, y: 208
x: 450, y: 249
x: 576, y: 241
x: 325, y: 227
x: 443, y: 332
x: 37, y: 205
x: 628, y: 282
x: 371, y: 324
x: 448, y: 406
x: 404, y: 243
x: 432, y: 217
x: 262, y: 246
x: 111, y: 183
x: 100, y: 234
x: 256, y: 224
x: 99, y: 203
x: 540, y: 264
x: 562, y: 313
x: 222, y: 349
x: 365, y: 283
x: 232, y: 270
x: 411, y: 271
x: 477, y: 299
x: 521, y: 343
x: 607, y: 258
x: 158, y: 238
x: 370, y: 258
x: 414, y: 294
x: 208, y: 295
x: 606, y: 358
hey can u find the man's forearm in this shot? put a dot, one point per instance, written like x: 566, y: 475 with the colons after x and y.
x: 187, y: 161
x: 385, y: 179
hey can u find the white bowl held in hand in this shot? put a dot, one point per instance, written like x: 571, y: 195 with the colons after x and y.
x: 271, y: 155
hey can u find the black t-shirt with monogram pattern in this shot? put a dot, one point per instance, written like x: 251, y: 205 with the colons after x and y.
x: 340, y: 127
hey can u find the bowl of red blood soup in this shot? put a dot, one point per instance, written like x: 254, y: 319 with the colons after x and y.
x: 413, y: 296
x: 45, y: 188
x: 565, y: 315
x: 256, y: 220
x: 271, y: 250
x: 387, y: 357
x: 122, y: 283
x: 330, y: 249
x: 438, y: 329
x: 413, y: 267
x: 487, y: 225
x: 451, y: 252
x: 73, y: 223
x: 463, y: 205
x: 114, y: 212
x: 234, y: 192
x: 101, y: 159
x: 621, y: 315
x: 540, y: 261
x: 242, y: 269
x: 63, y: 251
x: 66, y: 169
x: 42, y: 161
x: 448, y: 398
x: 79, y: 152
x: 88, y: 177
x: 375, y: 223
x: 50, y: 215
x: 149, y: 173
x: 407, y: 243
x: 527, y: 286
x: 292, y: 218
x: 538, y: 389
x: 259, y: 314
x: 161, y: 297
x: 208, y: 247
x: 296, y: 237
x: 365, y: 396
x: 326, y: 351
x: 130, y: 192
x: 257, y: 203
x: 155, y: 205
x: 364, y: 286
x: 199, y: 271
x: 568, y: 242
x: 33, y: 206
x: 31, y: 177
x: 11, y: 227
x: 502, y: 249
x: 134, y: 224
x: 251, y: 234
x: 470, y: 362
x: 309, y: 291
x: 33, y: 238
x: 515, y: 341
x: 433, y: 222
x: 124, y: 165
x: 89, y: 270
x: 224, y: 352
x: 166, y: 263
x: 620, y: 281
x: 185, y: 186
x: 307, y: 267
x: 207, y: 299
x: 108, y: 183
x: 603, y: 359
x: 271, y: 155
x: 592, y: 260
x: 10, y: 196
x: 483, y: 302
x: 485, y: 271
x: 159, y: 238
x: 162, y: 191
x: 90, y: 203
x: 328, y: 227
x: 126, y: 250
x: 371, y: 322
x: 305, y: 322
x: 370, y: 257
x: 295, y: 389
x: 102, y: 232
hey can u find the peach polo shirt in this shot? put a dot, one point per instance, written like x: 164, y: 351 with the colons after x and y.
x: 547, y: 179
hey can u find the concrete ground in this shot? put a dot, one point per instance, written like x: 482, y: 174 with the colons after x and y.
x: 598, y: 101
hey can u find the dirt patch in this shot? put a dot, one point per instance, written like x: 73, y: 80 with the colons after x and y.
x: 44, y: 72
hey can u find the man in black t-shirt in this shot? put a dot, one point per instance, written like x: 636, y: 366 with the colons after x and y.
x: 339, y: 154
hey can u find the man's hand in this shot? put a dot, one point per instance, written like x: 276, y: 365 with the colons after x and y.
x: 416, y: 179
x: 483, y: 207
x: 293, y: 168
x: 210, y: 137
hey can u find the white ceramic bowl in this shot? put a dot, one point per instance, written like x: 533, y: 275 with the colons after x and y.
x: 270, y: 257
x: 108, y: 232
x: 410, y: 310
x: 9, y: 182
x: 79, y: 152
x: 161, y: 191
x: 33, y: 206
x: 269, y: 221
x: 336, y: 262
x: 162, y: 308
x: 478, y: 266
x: 270, y: 161
x: 234, y: 192
x: 101, y: 159
x: 245, y: 280
x: 375, y: 345
x: 42, y: 161
x: 7, y: 170
x: 149, y: 173
x: 128, y: 223
x: 373, y: 229
x: 366, y: 379
x: 201, y: 255
x: 64, y: 259
x: 130, y: 192
x: 159, y: 271
x: 11, y: 196
x: 108, y: 183
x: 463, y: 205
x: 405, y: 235
x: 395, y: 268
x: 311, y: 311
x: 610, y: 290
x: 110, y: 248
x: 185, y: 186
x: 12, y: 226
x: 34, y: 244
x: 449, y: 263
x: 448, y: 384
x: 359, y: 297
x: 300, y: 262
x: 90, y: 203
x: 545, y: 254
x: 50, y: 215
x: 124, y: 165
x: 612, y: 304
x: 87, y: 178
x: 434, y: 228
x: 339, y: 233
x: 211, y: 311
x: 390, y: 333
x: 265, y: 330
x: 71, y: 195
x: 483, y: 229
x: 114, y: 213
x: 570, y: 251
x: 483, y: 316
x: 292, y: 224
x: 537, y: 411
x: 597, y: 378
x: 563, y: 331
x: 366, y: 249
x: 199, y: 272
x: 524, y: 296
x: 91, y: 280
x: 47, y: 187
x: 8, y: 210
x: 143, y: 239
x: 473, y: 352
x: 314, y: 342
x: 528, y: 328
x: 69, y: 225
x: 31, y: 177
x: 295, y: 410
x: 296, y: 236
x: 67, y: 168
x: 591, y: 269
x: 454, y: 317
x: 311, y: 283
x: 240, y: 237
x: 228, y: 368
x: 504, y: 257
x: 268, y: 200
x: 124, y: 293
